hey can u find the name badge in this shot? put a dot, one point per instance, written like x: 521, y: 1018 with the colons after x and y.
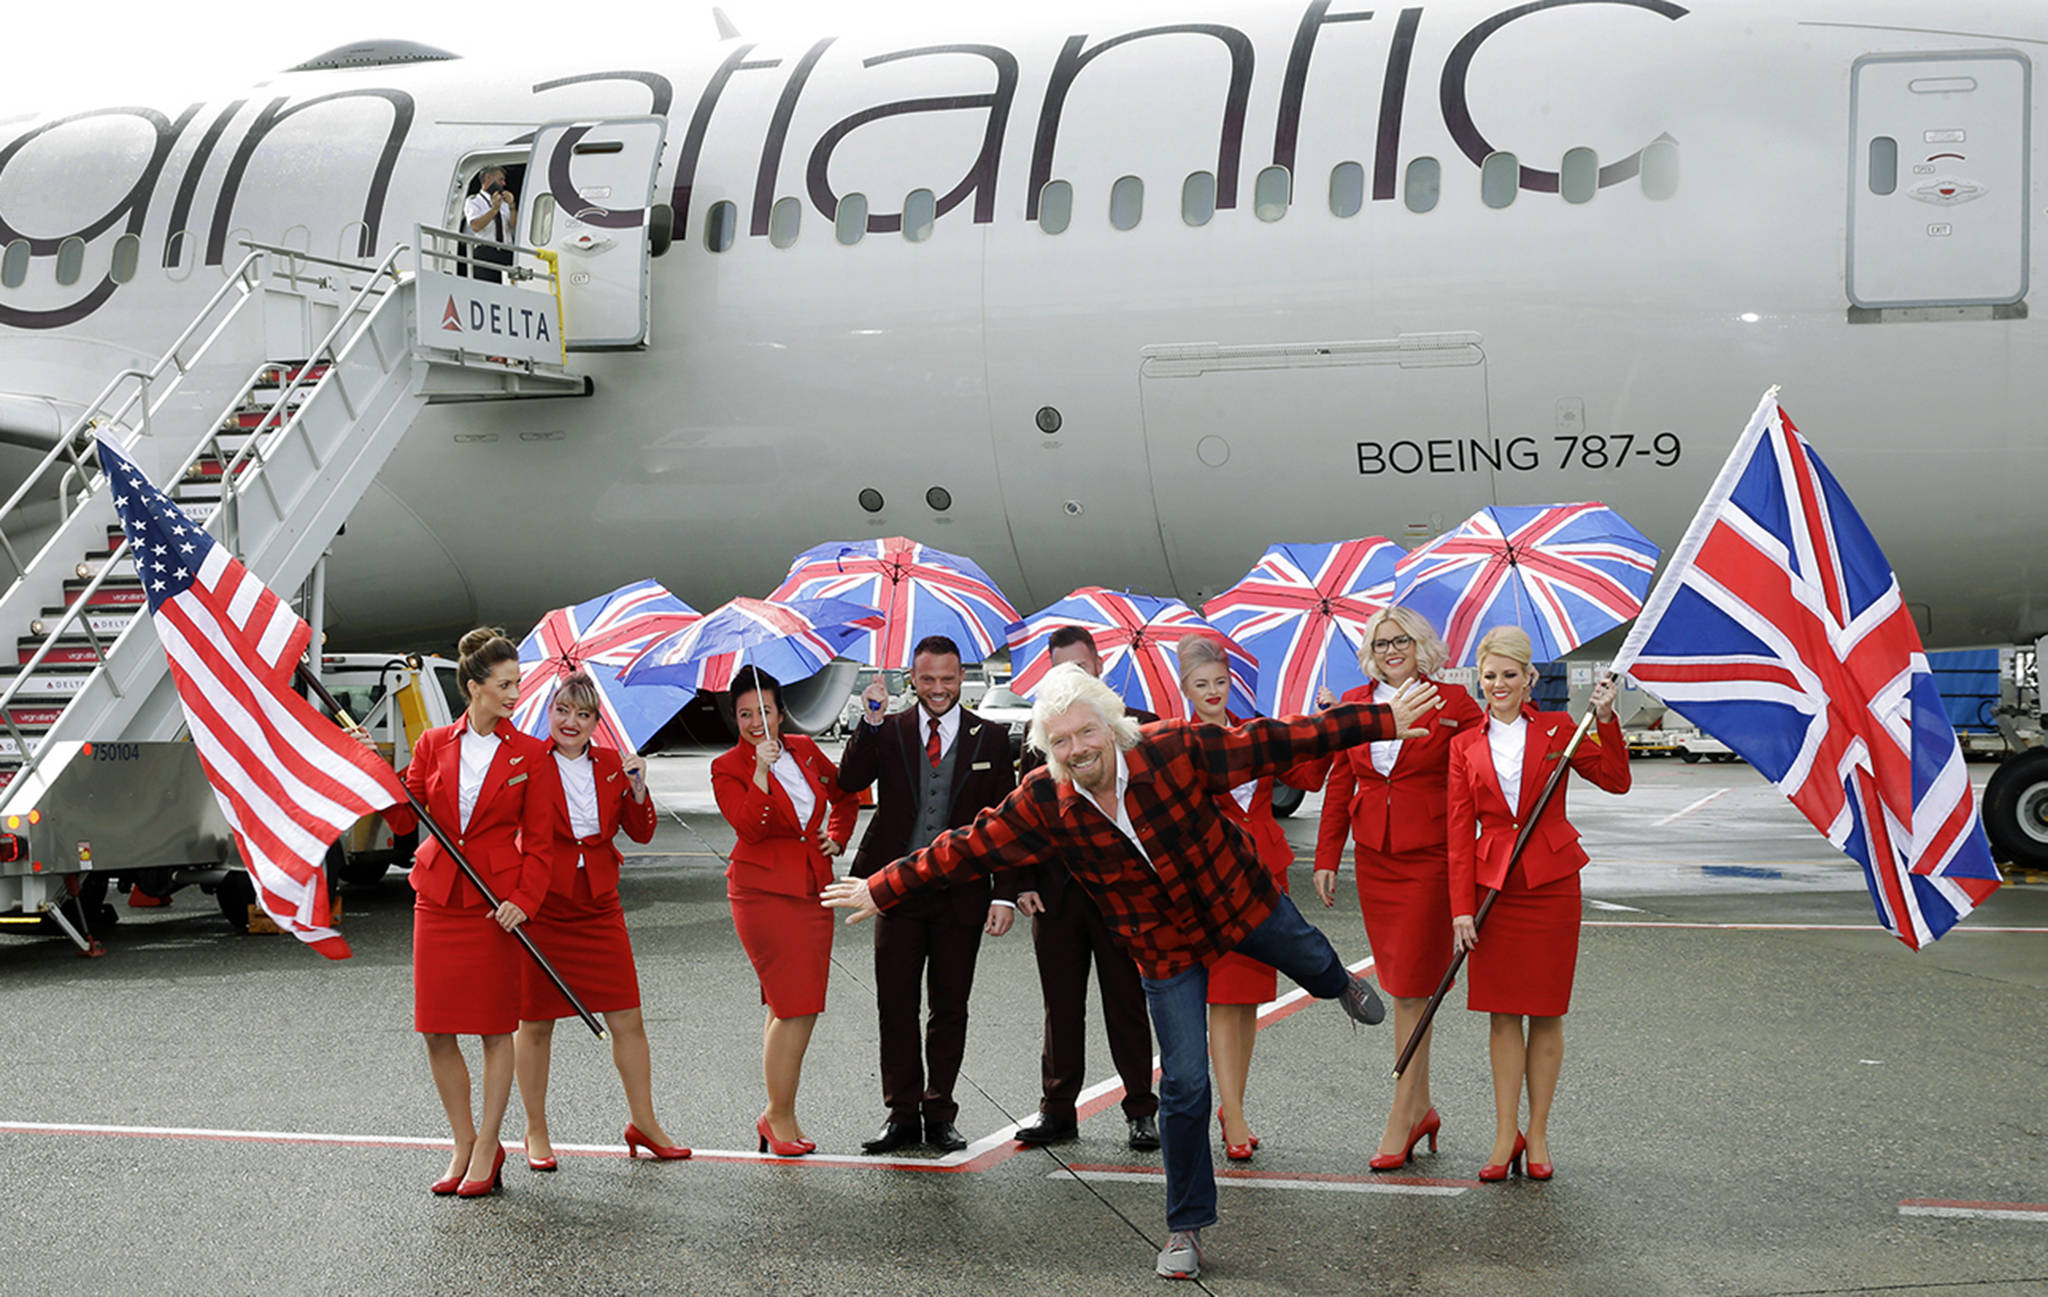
x: 516, y: 779
x: 984, y: 765
x: 1448, y: 722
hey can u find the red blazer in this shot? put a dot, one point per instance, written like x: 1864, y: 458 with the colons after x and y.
x: 775, y: 853
x: 1257, y: 820
x: 616, y: 809
x: 1483, y: 827
x: 1403, y: 810
x: 507, y: 831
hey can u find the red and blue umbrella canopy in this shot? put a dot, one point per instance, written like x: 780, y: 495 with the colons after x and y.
x: 1302, y: 613
x: 1135, y: 635
x: 790, y: 641
x: 1562, y: 572
x: 919, y: 590
x: 603, y: 635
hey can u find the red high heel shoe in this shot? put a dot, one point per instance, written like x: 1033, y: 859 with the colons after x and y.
x: 1493, y: 1172
x: 635, y: 1141
x: 779, y: 1147
x: 446, y: 1188
x: 1538, y: 1170
x: 542, y: 1164
x: 1429, y: 1125
x: 479, y: 1188
x: 1236, y: 1152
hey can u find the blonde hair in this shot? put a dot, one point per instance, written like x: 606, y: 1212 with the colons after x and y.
x: 1064, y: 688
x: 1196, y: 651
x: 1511, y: 642
x: 578, y: 690
x: 1430, y: 651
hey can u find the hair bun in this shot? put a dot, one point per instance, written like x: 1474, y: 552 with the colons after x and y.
x: 473, y: 643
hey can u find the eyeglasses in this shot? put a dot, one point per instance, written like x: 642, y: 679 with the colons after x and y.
x: 1398, y: 642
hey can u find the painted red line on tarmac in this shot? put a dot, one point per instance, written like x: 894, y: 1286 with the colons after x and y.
x: 1319, y: 1177
x: 1788, y: 927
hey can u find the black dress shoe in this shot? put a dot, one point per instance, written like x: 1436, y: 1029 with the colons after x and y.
x: 1049, y: 1130
x: 892, y: 1136
x: 944, y: 1136
x: 1145, y: 1133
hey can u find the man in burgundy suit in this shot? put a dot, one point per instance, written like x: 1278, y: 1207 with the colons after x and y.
x: 938, y: 765
x: 1068, y: 935
x: 1133, y: 817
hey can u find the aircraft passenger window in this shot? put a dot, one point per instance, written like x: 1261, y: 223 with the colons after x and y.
x: 14, y: 264
x: 1660, y: 170
x: 783, y: 220
x: 1198, y: 198
x: 127, y: 253
x: 1579, y: 178
x: 720, y: 224
x: 1347, y: 189
x: 1127, y: 203
x: 70, y: 260
x: 1423, y: 184
x: 542, y: 227
x: 1055, y: 206
x: 920, y: 210
x: 1500, y: 179
x: 850, y: 222
x: 1884, y: 165
x: 1270, y: 193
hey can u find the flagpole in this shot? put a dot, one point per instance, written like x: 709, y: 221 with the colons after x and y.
x: 308, y: 679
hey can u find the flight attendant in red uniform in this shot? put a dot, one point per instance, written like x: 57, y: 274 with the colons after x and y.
x: 1388, y: 798
x: 1238, y: 984
x: 494, y: 790
x: 1522, y: 964
x: 781, y: 796
x: 582, y: 930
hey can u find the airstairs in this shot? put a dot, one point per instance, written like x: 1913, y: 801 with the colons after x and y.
x: 329, y: 363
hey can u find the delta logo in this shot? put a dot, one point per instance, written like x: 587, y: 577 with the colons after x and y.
x: 451, y: 319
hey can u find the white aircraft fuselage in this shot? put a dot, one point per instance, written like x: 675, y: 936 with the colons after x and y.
x: 1151, y: 406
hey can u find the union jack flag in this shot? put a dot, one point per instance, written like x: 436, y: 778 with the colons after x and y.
x: 1780, y: 629
x: 1302, y: 613
x: 1136, y: 637
x: 790, y: 641
x: 919, y: 591
x: 288, y: 780
x: 1562, y: 572
x: 604, y: 635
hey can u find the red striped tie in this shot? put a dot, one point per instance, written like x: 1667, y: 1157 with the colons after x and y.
x: 931, y: 744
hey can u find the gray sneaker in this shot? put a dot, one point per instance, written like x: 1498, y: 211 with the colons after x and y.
x: 1182, y: 1256
x: 1363, y: 1003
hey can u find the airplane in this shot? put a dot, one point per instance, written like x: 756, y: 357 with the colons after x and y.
x: 1122, y: 300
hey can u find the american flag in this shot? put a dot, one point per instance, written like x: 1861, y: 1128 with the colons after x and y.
x: 289, y: 780
x: 1780, y: 629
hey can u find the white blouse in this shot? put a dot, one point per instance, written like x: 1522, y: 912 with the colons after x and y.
x: 1385, y: 752
x: 791, y: 777
x: 579, y: 789
x: 1507, y: 742
x: 1244, y: 793
x: 478, y: 751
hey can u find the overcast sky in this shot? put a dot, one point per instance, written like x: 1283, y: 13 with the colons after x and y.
x: 137, y: 51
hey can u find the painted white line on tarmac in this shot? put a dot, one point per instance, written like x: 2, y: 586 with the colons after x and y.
x: 1610, y: 905
x: 1714, y: 796
x: 1276, y: 1182
x: 1790, y: 927
x: 2035, y: 1212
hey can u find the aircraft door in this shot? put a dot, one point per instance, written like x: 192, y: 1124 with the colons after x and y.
x: 1938, y: 179
x: 589, y: 190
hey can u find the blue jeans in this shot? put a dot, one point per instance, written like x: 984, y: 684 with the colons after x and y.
x: 1180, y: 1016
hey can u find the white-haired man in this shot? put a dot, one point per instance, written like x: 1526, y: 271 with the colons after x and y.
x: 1133, y: 818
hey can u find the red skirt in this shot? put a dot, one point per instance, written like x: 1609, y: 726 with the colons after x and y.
x: 585, y: 939
x: 465, y: 971
x: 1528, y: 950
x: 1240, y: 979
x: 1405, y: 898
x: 788, y: 939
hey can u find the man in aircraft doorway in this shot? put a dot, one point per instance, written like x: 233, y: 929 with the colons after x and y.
x: 491, y: 213
x: 938, y: 765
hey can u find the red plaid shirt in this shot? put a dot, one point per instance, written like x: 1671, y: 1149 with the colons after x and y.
x: 1204, y: 890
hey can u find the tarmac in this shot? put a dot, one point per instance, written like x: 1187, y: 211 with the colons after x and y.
x: 1763, y: 1093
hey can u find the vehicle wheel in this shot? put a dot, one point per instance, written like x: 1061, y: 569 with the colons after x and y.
x: 1286, y: 800
x: 236, y: 894
x: 2016, y: 809
x: 1688, y: 756
x: 358, y: 871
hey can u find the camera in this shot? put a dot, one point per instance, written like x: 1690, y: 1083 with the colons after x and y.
x: 496, y: 186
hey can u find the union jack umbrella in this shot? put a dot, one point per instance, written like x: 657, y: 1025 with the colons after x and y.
x: 1302, y: 613
x: 790, y: 641
x: 603, y: 634
x: 1562, y: 572
x: 1136, y: 635
x: 920, y: 591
